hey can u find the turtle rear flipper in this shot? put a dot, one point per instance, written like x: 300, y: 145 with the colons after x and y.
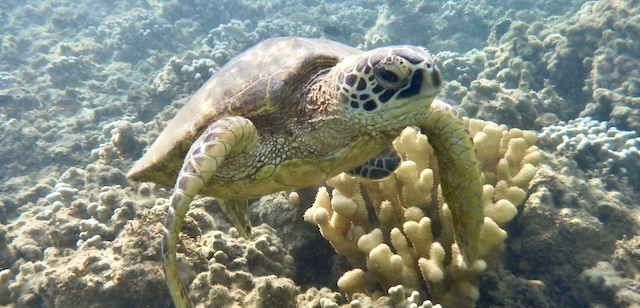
x: 238, y: 213
x: 222, y: 138
x: 380, y: 166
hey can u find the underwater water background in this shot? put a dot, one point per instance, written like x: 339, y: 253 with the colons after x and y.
x: 86, y: 86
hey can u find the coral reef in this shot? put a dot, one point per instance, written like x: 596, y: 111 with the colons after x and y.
x: 249, y: 275
x: 565, y: 206
x: 414, y: 221
x: 506, y: 82
x: 534, y: 74
x: 616, y: 279
x: 120, y: 142
x: 67, y: 71
x: 85, y: 248
x: 613, y: 80
x: 598, y: 148
x: 6, y: 80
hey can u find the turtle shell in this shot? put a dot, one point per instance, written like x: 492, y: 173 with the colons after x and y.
x: 258, y: 82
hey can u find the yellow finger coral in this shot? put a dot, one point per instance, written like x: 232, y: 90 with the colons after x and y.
x: 412, y: 242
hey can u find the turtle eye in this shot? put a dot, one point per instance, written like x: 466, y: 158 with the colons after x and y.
x: 391, y: 75
x: 387, y: 76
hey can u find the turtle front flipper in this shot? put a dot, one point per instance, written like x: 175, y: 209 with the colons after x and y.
x: 460, y: 174
x: 380, y: 166
x: 221, y: 139
x: 238, y: 212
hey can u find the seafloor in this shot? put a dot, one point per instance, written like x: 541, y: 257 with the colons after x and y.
x: 85, y: 86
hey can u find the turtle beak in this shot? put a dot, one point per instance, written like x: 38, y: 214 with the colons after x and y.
x: 431, y: 81
x: 435, y: 78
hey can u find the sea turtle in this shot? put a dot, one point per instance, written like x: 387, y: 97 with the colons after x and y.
x: 293, y: 112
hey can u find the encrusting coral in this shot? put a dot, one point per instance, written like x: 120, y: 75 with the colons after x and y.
x: 412, y: 240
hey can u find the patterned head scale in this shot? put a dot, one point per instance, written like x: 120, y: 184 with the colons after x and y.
x: 383, y: 81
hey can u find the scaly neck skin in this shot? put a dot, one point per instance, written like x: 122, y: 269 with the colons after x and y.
x: 327, y: 125
x: 320, y: 95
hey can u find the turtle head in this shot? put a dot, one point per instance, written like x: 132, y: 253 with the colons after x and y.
x: 389, y: 86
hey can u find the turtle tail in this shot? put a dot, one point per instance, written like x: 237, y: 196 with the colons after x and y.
x: 222, y: 138
x: 460, y: 174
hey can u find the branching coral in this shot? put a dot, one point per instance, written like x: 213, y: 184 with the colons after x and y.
x: 412, y: 240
